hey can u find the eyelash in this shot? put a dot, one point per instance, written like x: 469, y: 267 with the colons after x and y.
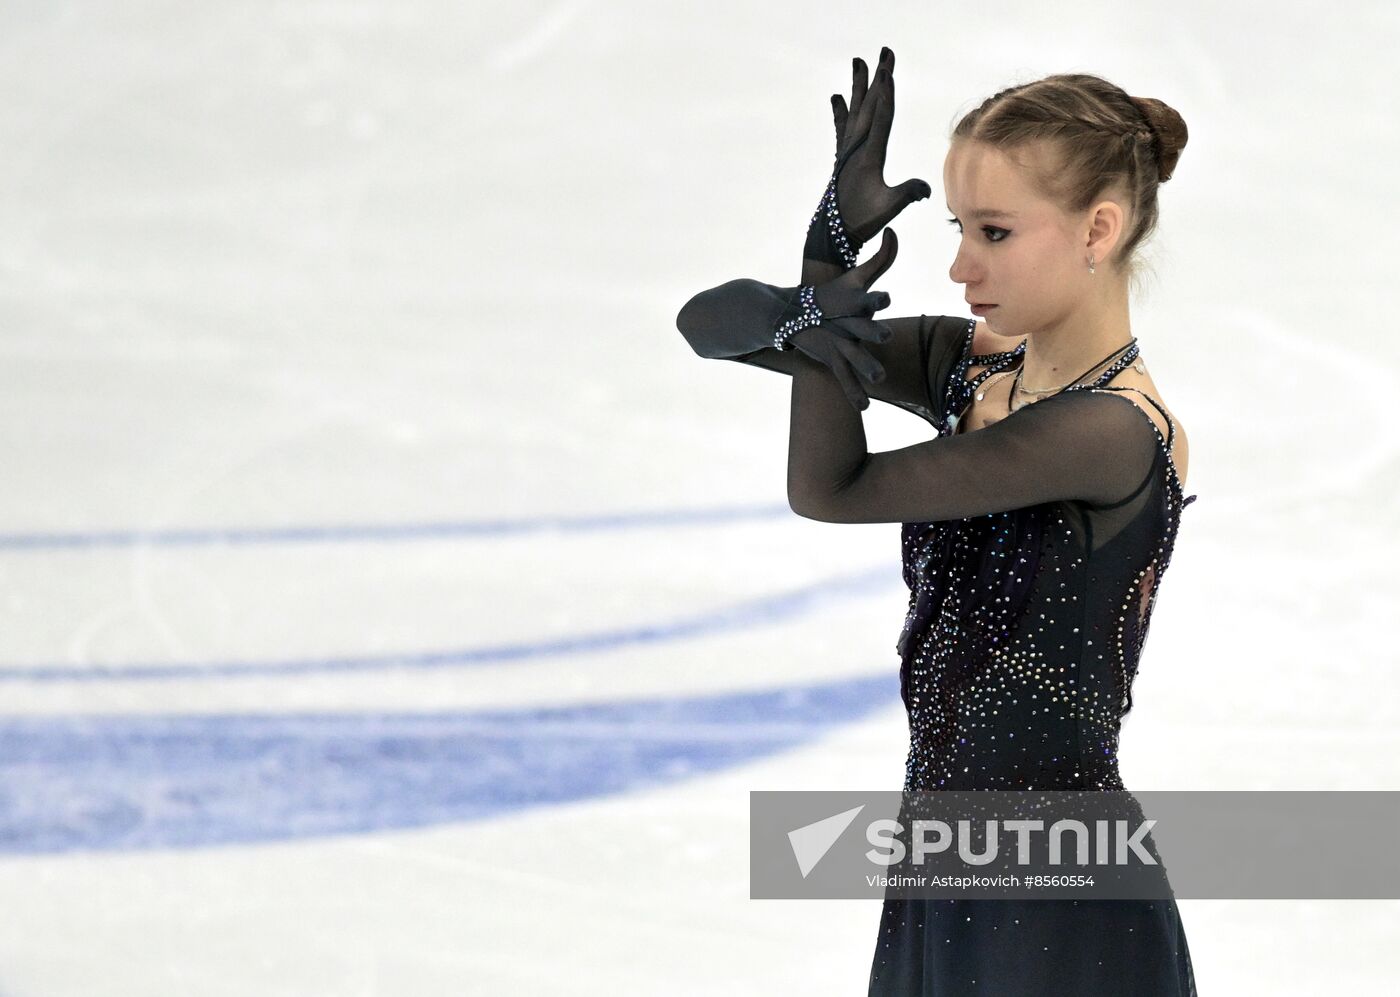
x: 985, y: 228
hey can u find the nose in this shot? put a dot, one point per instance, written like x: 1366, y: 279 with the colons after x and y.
x: 962, y: 271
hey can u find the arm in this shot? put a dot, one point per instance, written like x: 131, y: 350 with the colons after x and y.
x: 1077, y: 445
x: 909, y: 359
x: 736, y: 320
x: 725, y: 322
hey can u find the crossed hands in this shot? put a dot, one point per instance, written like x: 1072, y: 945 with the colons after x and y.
x: 866, y: 205
x: 847, y: 305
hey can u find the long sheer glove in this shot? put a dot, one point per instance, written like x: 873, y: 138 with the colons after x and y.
x: 857, y: 203
x: 740, y: 317
x: 1094, y: 446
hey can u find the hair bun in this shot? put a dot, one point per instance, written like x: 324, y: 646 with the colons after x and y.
x: 1168, y: 128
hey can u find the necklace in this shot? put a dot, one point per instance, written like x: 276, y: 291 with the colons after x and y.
x: 1045, y: 391
x: 1016, y: 385
x: 991, y: 381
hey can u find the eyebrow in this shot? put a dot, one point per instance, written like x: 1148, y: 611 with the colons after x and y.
x: 988, y: 213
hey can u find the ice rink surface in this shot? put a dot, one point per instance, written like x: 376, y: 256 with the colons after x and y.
x: 394, y: 605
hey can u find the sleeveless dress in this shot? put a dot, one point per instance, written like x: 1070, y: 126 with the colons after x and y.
x: 1018, y: 653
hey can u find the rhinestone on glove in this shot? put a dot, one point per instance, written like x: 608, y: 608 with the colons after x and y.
x: 810, y: 315
x: 835, y: 228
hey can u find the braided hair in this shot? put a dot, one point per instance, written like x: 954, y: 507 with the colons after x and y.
x: 1104, y: 141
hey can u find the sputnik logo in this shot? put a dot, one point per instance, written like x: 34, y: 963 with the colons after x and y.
x: 812, y: 842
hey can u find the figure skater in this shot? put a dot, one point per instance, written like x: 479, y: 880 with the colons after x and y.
x: 1037, y: 524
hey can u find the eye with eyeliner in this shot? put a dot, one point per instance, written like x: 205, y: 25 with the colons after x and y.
x: 985, y: 228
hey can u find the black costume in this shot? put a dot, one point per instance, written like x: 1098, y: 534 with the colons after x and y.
x: 1033, y: 550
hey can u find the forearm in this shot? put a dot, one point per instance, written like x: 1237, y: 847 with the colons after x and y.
x: 827, y: 251
x: 826, y: 443
x: 816, y: 272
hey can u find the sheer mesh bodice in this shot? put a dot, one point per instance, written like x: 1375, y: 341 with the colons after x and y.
x: 1034, y: 551
x: 1025, y: 627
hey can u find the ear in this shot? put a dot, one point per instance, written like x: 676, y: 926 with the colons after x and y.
x: 1105, y: 229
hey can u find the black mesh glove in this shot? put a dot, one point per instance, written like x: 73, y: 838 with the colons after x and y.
x: 857, y: 203
x: 743, y: 316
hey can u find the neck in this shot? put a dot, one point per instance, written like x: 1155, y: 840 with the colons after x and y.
x: 1057, y: 353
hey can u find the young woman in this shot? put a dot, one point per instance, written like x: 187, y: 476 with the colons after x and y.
x: 1037, y: 526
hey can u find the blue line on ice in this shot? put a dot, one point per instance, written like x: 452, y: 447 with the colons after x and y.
x: 368, y: 532
x: 757, y: 611
x: 109, y: 783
